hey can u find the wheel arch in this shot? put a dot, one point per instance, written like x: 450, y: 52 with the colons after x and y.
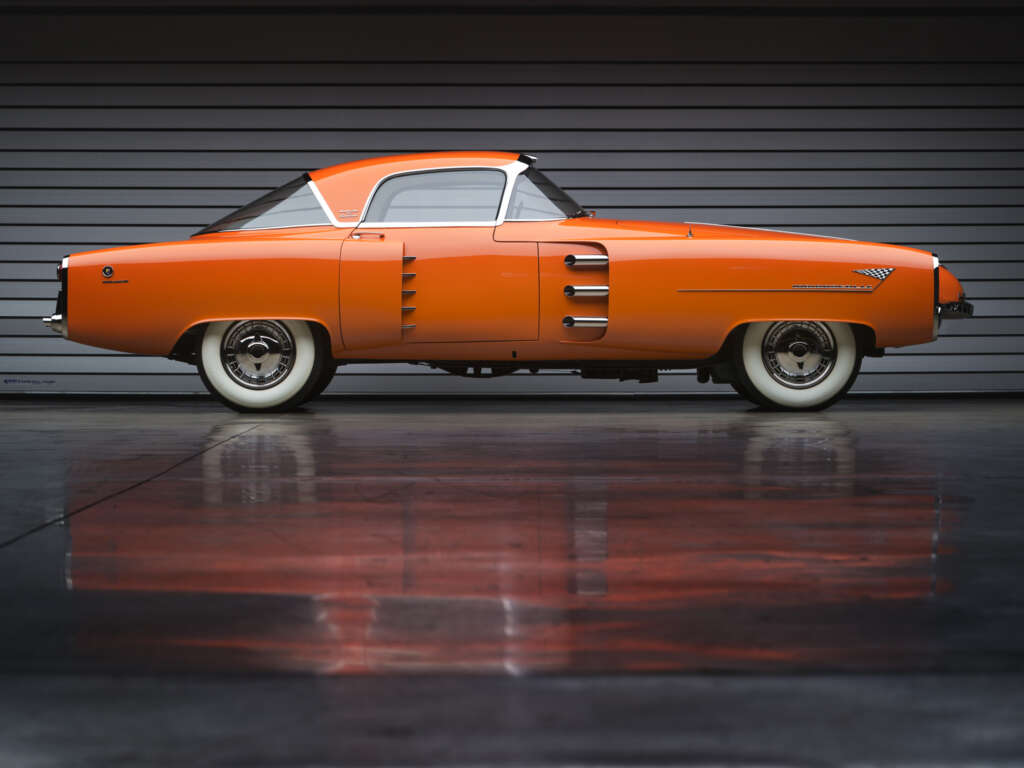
x: 186, y: 348
x: 864, y: 332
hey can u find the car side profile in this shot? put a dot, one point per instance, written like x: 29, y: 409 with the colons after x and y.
x: 477, y: 264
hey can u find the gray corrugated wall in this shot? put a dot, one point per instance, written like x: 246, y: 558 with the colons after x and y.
x: 128, y: 126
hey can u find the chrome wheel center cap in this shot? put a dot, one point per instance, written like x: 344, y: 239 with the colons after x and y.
x: 258, y: 353
x: 798, y: 349
x: 798, y: 354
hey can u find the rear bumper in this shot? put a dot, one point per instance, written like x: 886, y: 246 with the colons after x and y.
x: 955, y: 309
x: 58, y: 321
x: 949, y: 299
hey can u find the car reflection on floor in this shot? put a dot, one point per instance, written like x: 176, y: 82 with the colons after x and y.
x: 752, y: 541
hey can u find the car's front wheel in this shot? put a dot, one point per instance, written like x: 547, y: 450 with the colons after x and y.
x: 797, y: 364
x: 261, y: 365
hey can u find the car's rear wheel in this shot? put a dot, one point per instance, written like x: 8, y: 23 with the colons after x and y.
x: 261, y: 365
x: 796, y: 365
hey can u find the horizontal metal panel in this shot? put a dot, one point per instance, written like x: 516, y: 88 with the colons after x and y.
x: 48, y: 252
x: 796, y: 177
x: 626, y: 95
x: 20, y: 270
x: 970, y: 271
x: 965, y: 345
x: 101, y: 363
x: 462, y: 119
x: 541, y: 141
x: 905, y: 234
x: 994, y: 289
x: 939, y: 382
x: 24, y: 326
x: 39, y: 198
x: 160, y: 216
x: 897, y: 200
x: 958, y: 252
x: 50, y: 344
x: 491, y: 72
x: 24, y: 289
x: 26, y: 308
x: 824, y: 219
x: 607, y: 191
x: 697, y: 34
x: 857, y: 150
x: 946, y: 363
x: 179, y: 164
x: 101, y: 233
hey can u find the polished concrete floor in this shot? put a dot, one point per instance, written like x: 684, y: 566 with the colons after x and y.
x: 632, y: 581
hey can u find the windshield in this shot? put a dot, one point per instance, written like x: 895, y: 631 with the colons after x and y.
x: 535, y: 196
x: 292, y: 205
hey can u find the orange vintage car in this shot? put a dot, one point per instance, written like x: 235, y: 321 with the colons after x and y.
x: 477, y: 264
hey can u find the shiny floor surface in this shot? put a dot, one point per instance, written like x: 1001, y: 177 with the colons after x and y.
x: 858, y: 552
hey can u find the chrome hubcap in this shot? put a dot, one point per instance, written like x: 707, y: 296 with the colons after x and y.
x: 799, y: 354
x: 258, y: 353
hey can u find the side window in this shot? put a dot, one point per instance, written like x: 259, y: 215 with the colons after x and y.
x: 292, y: 205
x: 536, y: 197
x: 438, y: 196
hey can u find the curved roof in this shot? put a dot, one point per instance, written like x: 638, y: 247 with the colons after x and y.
x: 345, y: 187
x: 398, y: 163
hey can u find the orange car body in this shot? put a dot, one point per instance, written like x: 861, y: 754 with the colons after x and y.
x: 498, y: 291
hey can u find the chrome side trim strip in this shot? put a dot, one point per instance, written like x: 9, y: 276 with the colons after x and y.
x: 586, y: 260
x: 794, y: 289
x: 571, y: 321
x: 584, y: 291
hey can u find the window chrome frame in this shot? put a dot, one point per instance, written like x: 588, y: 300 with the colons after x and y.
x: 511, y: 171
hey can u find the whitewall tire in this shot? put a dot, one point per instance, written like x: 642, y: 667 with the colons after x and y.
x: 797, y: 364
x: 260, y: 365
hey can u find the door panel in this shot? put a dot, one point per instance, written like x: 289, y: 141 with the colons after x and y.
x: 371, y: 292
x: 461, y: 285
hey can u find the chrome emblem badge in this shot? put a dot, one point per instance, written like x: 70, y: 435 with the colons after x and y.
x: 879, y: 273
x: 108, y: 271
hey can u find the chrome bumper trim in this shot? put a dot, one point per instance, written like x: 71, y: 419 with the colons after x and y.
x: 56, y: 324
x: 955, y: 310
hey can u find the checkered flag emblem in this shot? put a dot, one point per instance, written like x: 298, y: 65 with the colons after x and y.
x: 879, y: 273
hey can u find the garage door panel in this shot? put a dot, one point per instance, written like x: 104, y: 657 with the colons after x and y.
x: 836, y: 125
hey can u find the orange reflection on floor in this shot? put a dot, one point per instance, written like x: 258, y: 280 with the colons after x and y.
x: 762, y: 549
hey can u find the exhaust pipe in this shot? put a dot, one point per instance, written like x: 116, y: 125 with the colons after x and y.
x: 570, y: 321
x: 585, y: 290
x: 56, y: 324
x: 586, y: 260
